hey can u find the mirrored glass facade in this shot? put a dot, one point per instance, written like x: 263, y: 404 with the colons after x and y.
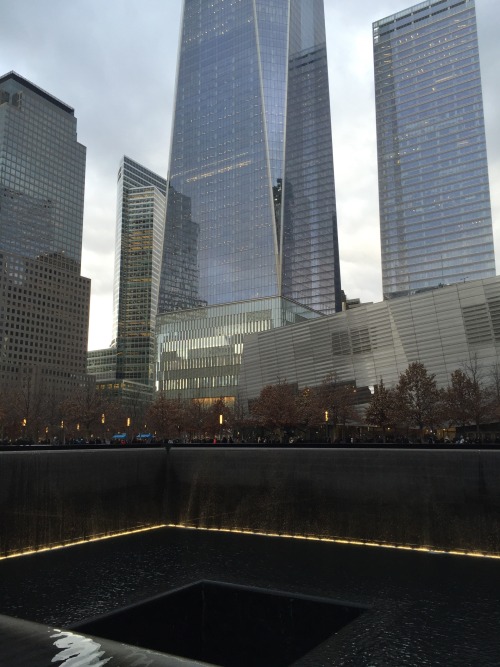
x: 44, y: 301
x: 435, y: 214
x: 139, y: 242
x: 251, y: 201
x: 42, y: 172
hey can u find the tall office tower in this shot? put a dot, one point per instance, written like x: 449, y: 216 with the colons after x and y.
x: 44, y: 302
x: 435, y: 214
x: 251, y: 228
x: 42, y: 172
x: 251, y: 202
x: 139, y: 242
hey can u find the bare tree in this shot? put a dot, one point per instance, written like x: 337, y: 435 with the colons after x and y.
x: 494, y: 377
x: 337, y: 401
x: 168, y: 417
x: 86, y: 411
x: 276, y: 408
x: 457, y: 399
x: 29, y: 404
x: 381, y: 410
x: 481, y: 399
x: 218, y: 419
x: 417, y: 397
x: 310, y: 412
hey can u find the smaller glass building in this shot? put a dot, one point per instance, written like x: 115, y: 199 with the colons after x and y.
x: 139, y: 243
x: 200, y: 350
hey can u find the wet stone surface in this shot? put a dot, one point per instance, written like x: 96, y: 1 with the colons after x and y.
x: 423, y: 608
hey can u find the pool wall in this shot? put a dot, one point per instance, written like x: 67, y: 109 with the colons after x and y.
x: 436, y: 499
x: 49, y: 498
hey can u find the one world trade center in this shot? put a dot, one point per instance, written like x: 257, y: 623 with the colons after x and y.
x: 251, y: 229
x: 251, y: 202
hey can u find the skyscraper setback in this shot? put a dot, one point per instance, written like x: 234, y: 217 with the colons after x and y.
x: 44, y: 302
x: 251, y: 203
x: 435, y: 213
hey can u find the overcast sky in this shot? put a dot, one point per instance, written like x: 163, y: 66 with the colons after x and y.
x: 114, y: 61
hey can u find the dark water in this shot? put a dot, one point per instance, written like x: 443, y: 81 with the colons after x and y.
x: 424, y: 609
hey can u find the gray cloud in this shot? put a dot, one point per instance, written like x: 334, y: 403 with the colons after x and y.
x: 115, y: 63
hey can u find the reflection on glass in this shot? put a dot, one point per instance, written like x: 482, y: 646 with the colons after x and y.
x: 251, y: 201
x: 435, y: 214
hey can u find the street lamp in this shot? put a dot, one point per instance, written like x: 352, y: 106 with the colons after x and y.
x: 327, y: 426
x: 221, y: 422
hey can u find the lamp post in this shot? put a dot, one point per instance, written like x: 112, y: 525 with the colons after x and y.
x: 327, y: 426
x: 221, y: 422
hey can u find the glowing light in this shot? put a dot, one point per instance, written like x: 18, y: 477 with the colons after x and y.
x: 97, y: 538
x: 312, y: 538
x: 339, y: 540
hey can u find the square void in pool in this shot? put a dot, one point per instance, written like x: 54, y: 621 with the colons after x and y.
x: 227, y: 625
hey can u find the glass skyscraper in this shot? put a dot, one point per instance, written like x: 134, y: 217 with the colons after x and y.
x: 251, y: 201
x: 435, y: 214
x: 251, y: 227
x: 125, y: 371
x: 139, y: 241
x: 44, y: 301
x: 42, y: 172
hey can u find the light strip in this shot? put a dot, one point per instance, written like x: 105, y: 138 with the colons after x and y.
x: 334, y: 540
x: 30, y: 552
x: 311, y: 538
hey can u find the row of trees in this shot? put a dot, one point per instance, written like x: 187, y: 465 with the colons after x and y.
x: 29, y: 412
x: 281, y: 412
x: 471, y: 398
x: 177, y: 419
x: 413, y: 407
